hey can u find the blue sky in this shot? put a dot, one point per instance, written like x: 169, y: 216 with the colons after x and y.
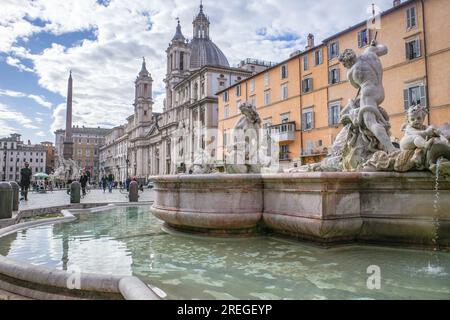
x: 104, y: 41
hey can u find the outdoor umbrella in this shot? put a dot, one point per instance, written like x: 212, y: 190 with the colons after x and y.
x: 41, y: 175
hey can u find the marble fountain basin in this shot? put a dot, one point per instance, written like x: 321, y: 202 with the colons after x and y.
x: 395, y: 208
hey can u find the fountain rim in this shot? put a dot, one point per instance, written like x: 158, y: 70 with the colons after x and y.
x: 129, y: 287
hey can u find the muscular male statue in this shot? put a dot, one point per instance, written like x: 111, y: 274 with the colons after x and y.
x: 366, y: 73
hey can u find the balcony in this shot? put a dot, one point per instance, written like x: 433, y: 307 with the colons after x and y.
x: 283, y: 132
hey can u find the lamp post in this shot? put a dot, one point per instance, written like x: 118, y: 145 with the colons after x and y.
x: 5, y: 155
x: 128, y: 163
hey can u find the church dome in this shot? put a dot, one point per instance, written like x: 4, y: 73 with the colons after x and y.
x: 205, y: 52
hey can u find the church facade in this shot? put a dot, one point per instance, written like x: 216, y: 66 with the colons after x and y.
x: 167, y: 142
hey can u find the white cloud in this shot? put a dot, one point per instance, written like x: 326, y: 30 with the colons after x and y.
x: 15, y: 94
x: 18, y: 64
x: 8, y: 115
x: 104, y: 69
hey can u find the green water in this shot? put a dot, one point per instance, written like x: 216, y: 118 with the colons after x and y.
x: 129, y: 241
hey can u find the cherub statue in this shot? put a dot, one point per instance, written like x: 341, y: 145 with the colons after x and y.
x: 418, y: 137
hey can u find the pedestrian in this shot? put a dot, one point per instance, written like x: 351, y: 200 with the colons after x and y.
x: 103, y: 183
x: 83, y: 181
x: 25, y: 180
x: 110, y: 182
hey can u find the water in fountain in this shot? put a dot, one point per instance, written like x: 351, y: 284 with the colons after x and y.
x: 435, y: 269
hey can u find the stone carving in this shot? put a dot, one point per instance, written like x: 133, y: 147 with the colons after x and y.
x: 366, y: 124
x: 243, y: 152
x: 68, y: 170
x: 421, y: 147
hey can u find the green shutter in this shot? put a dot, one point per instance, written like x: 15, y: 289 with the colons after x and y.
x: 303, y: 121
x: 406, y: 98
x: 330, y: 116
x: 407, y: 55
x: 423, y: 96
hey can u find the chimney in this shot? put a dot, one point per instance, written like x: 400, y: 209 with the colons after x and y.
x: 310, y: 41
x: 397, y: 3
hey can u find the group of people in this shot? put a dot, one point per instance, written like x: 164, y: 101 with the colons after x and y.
x: 108, y: 181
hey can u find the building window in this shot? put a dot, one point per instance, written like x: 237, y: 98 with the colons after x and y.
x: 333, y: 76
x: 318, y: 57
x: 226, y: 112
x: 307, y: 119
x: 411, y: 17
x: 266, y: 79
x: 307, y: 85
x: 238, y: 91
x: 181, y: 60
x: 225, y: 138
x: 415, y: 95
x: 284, y: 71
x: 222, y: 83
x: 266, y: 97
x: 412, y: 49
x: 284, y: 152
x: 363, y: 38
x: 284, y: 91
x: 305, y: 63
x: 333, y: 114
x: 284, y: 118
x: 225, y: 96
x: 252, y: 86
x: 252, y: 101
x: 333, y: 50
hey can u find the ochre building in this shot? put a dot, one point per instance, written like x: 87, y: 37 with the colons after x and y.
x: 302, y: 96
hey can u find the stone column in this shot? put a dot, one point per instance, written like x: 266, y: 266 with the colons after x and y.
x: 15, y: 188
x: 75, y: 188
x: 6, y: 200
x: 133, y: 194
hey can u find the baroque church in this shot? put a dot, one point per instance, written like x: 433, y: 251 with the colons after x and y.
x: 167, y: 142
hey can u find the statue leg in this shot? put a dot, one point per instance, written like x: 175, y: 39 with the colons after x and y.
x: 379, y: 131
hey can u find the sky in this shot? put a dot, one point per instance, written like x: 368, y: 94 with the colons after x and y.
x: 103, y: 43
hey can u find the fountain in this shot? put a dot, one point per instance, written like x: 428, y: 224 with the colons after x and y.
x: 366, y: 190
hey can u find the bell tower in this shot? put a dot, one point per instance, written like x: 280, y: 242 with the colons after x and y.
x: 178, y: 61
x: 143, y: 101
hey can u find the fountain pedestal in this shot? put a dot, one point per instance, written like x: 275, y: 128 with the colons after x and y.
x: 324, y: 207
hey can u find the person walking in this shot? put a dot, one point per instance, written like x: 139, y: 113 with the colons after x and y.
x: 103, y: 183
x: 83, y: 181
x: 110, y: 182
x: 25, y: 180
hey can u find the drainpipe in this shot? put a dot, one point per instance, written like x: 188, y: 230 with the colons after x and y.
x: 427, y: 94
x: 301, y: 108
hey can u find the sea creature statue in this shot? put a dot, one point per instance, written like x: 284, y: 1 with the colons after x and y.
x: 68, y: 170
x: 243, y: 153
x: 421, y: 147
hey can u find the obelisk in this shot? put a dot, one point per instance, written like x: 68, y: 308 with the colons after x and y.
x: 68, y: 141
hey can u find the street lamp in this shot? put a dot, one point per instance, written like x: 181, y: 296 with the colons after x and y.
x: 128, y: 163
x: 4, y: 162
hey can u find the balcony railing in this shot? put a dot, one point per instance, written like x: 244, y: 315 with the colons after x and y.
x: 284, y: 131
x: 256, y: 62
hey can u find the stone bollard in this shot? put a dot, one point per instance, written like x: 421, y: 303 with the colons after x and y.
x: 133, y: 194
x: 75, y: 188
x: 6, y: 200
x: 15, y: 187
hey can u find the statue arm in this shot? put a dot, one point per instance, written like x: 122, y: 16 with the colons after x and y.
x: 378, y: 49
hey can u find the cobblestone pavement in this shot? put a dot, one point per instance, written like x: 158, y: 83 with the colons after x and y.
x: 60, y: 197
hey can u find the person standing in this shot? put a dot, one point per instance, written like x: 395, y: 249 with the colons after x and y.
x: 103, y: 183
x: 83, y: 181
x: 25, y: 180
x: 110, y: 182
